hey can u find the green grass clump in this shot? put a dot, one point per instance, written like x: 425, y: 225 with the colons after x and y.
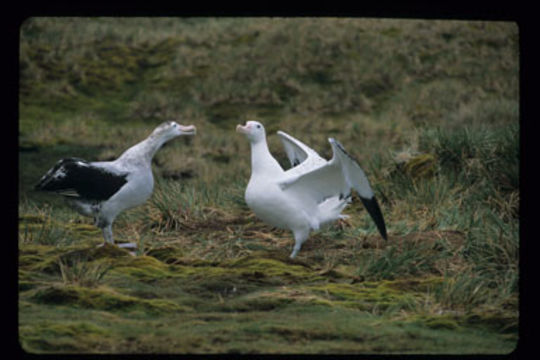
x: 102, y: 299
x: 67, y: 337
x: 485, y: 154
x: 271, y: 268
x: 82, y: 273
x: 370, y: 297
x: 414, y: 260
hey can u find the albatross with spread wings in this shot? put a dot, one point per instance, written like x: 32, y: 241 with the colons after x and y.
x: 312, y: 193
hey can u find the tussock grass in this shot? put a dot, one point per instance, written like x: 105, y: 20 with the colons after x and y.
x: 429, y: 108
x: 81, y: 272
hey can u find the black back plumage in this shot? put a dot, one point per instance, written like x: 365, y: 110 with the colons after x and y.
x: 74, y: 177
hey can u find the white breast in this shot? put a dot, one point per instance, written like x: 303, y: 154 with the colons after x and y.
x: 271, y: 205
x: 136, y: 191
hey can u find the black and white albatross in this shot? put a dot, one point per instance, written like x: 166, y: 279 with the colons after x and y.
x: 103, y: 189
x: 309, y: 195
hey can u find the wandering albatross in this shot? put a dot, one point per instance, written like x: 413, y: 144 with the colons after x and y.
x: 309, y: 195
x: 104, y: 189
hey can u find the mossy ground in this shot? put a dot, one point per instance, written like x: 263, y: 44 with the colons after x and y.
x: 164, y: 301
x: 433, y: 122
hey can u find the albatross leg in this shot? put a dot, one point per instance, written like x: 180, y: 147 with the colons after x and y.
x: 107, y: 234
x: 300, y: 236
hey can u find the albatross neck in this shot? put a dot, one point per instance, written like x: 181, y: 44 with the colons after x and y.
x: 145, y: 150
x: 262, y: 162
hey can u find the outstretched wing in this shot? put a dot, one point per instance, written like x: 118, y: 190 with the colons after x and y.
x: 335, y: 178
x: 74, y: 177
x: 302, y: 157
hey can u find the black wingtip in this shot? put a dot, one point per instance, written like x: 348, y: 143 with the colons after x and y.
x: 372, y: 206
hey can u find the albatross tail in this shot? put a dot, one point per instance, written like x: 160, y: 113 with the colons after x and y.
x: 331, y: 208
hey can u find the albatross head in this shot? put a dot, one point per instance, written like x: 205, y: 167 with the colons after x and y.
x: 253, y: 130
x: 171, y: 129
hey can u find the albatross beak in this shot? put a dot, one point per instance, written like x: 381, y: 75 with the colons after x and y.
x: 188, y: 130
x: 241, y: 129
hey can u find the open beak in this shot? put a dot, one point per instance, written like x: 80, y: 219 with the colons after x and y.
x: 188, y: 130
x: 242, y: 129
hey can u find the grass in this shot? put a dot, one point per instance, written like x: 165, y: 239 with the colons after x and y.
x: 433, y: 122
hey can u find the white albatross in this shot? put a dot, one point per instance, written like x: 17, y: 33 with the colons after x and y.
x: 104, y: 189
x: 309, y: 195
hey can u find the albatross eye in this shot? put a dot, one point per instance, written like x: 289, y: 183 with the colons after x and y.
x: 258, y: 126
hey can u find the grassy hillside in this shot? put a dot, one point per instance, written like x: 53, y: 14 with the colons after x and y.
x: 429, y: 108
